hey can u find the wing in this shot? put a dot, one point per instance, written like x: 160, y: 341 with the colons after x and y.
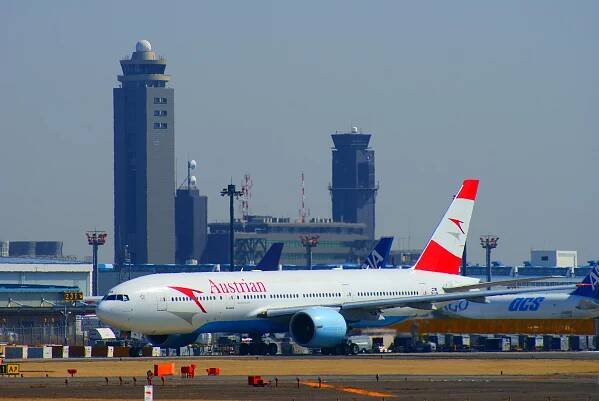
x: 419, y: 302
x: 502, y: 283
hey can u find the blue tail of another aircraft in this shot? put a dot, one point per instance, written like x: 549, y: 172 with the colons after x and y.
x: 270, y: 260
x: 377, y: 258
x: 589, y: 287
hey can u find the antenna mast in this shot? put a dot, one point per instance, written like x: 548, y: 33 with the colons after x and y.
x: 246, y: 195
x: 302, y: 210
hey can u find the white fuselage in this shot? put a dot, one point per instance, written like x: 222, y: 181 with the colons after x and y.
x: 547, y: 305
x: 176, y: 303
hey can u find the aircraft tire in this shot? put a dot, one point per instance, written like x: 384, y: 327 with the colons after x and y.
x: 272, y: 349
x: 354, y: 349
x: 262, y: 349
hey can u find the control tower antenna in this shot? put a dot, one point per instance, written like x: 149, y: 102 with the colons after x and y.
x: 302, y: 211
x: 246, y: 195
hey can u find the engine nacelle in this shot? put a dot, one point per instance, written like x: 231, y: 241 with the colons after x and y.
x: 318, y: 327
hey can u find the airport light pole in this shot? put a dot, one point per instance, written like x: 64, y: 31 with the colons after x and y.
x: 95, y: 239
x: 489, y: 242
x: 309, y: 241
x: 232, y: 193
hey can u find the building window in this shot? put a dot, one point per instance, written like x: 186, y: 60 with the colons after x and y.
x: 545, y: 258
x: 160, y: 113
x: 156, y: 125
x: 160, y: 100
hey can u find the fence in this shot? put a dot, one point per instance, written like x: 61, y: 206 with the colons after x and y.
x: 38, y: 335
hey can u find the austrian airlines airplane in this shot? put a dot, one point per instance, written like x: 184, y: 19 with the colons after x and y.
x: 316, y: 307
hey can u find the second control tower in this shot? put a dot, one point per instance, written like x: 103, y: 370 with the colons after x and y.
x: 353, y: 188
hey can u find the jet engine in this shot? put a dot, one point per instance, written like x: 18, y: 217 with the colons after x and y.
x: 318, y: 327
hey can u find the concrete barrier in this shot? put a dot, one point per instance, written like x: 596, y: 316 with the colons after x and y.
x: 35, y: 352
x: 57, y: 351
x: 121, y: 352
x: 47, y: 353
x: 87, y: 351
x: 76, y: 351
x: 17, y: 352
x: 99, y: 351
x: 65, y: 351
x: 110, y: 351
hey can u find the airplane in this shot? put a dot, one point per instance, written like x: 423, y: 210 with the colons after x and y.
x: 582, y: 303
x: 316, y: 307
x: 377, y: 258
x: 270, y: 260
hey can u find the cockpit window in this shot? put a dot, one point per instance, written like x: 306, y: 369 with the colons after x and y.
x: 116, y: 297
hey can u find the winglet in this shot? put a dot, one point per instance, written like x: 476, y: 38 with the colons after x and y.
x: 270, y: 260
x: 377, y: 258
x: 443, y: 253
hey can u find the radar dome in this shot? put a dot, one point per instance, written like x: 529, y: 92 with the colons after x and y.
x: 143, y: 46
x: 354, y: 130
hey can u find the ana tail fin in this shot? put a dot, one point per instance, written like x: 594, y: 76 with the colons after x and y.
x: 589, y: 287
x: 377, y: 258
x: 444, y: 250
x: 270, y: 260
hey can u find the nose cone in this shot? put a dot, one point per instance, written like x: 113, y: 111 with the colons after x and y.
x: 103, y: 312
x: 112, y: 314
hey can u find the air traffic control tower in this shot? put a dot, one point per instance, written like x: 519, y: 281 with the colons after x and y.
x: 144, y: 161
x: 353, y: 188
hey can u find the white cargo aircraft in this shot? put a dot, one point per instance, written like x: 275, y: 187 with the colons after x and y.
x: 316, y: 307
x: 582, y: 303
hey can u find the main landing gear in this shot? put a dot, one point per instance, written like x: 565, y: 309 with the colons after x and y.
x: 346, y: 348
x: 258, y: 347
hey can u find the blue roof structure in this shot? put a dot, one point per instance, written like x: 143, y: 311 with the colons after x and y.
x: 20, y: 288
x: 39, y: 261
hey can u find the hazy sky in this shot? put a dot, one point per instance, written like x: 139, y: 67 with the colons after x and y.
x: 504, y: 91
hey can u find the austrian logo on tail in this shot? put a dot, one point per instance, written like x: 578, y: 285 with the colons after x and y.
x: 190, y: 292
x: 458, y: 223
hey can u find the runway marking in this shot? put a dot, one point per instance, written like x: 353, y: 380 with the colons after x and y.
x: 353, y: 390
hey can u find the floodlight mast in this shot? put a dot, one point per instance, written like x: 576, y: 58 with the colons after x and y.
x: 309, y: 241
x: 232, y: 193
x: 489, y: 242
x: 95, y: 239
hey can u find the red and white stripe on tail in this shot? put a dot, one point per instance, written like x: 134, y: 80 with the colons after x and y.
x: 444, y: 250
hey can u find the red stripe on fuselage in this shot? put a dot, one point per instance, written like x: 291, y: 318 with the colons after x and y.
x: 435, y: 258
x: 190, y: 293
x: 468, y: 190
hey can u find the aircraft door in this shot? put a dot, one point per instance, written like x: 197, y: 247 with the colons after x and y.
x: 161, y: 303
x: 346, y: 292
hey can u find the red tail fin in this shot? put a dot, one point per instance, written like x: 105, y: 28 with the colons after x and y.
x: 443, y: 253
